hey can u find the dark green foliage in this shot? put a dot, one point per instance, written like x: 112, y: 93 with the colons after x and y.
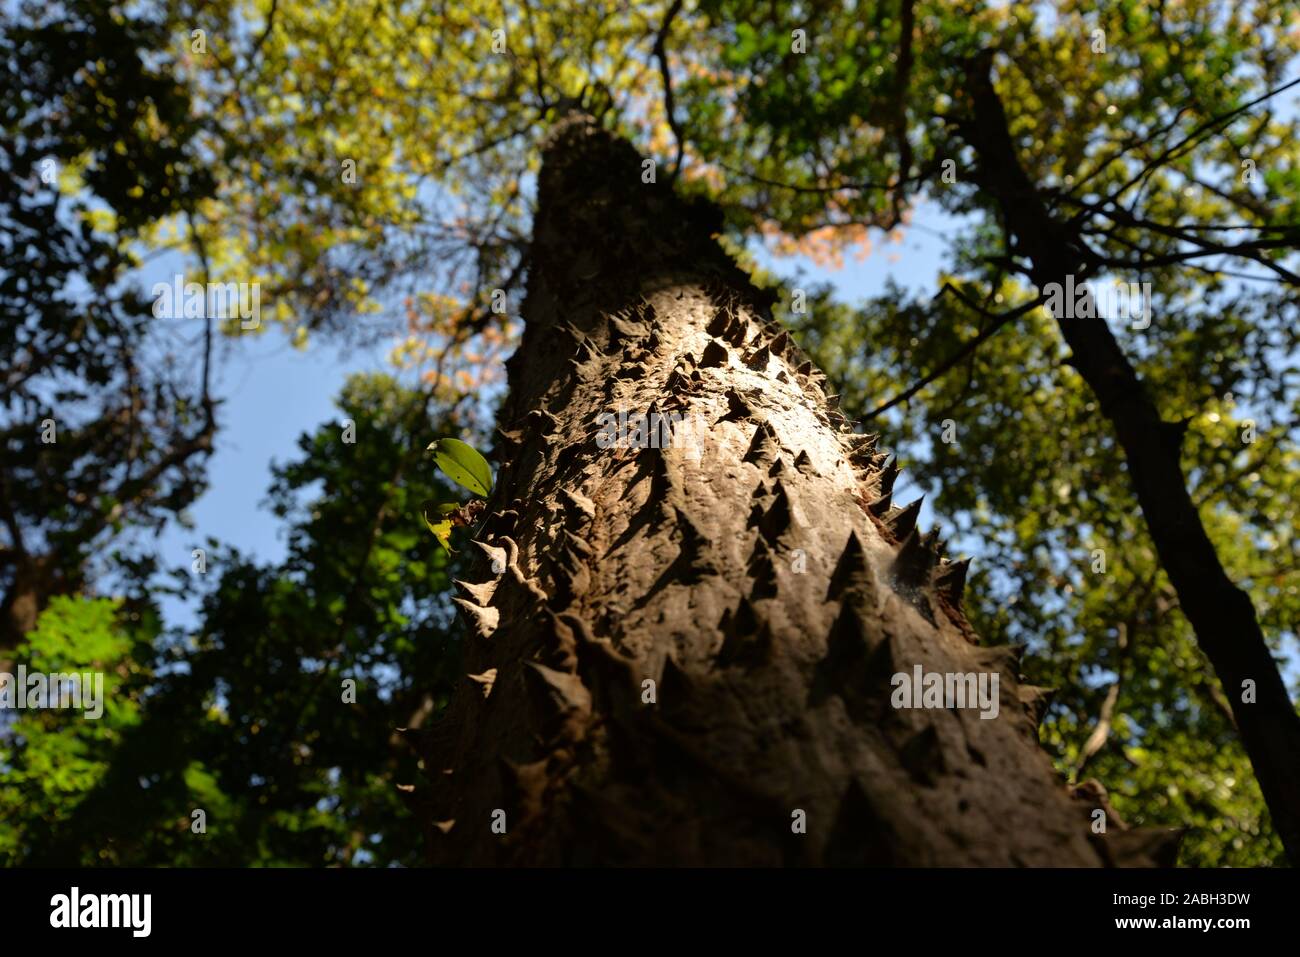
x: 245, y: 718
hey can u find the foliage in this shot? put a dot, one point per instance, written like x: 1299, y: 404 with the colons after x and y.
x: 247, y: 717
x: 53, y: 757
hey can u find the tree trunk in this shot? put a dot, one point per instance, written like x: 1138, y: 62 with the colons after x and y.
x: 1220, y: 613
x: 33, y: 584
x: 687, y: 655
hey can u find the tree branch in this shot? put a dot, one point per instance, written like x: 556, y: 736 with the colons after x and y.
x: 661, y: 52
x: 999, y: 321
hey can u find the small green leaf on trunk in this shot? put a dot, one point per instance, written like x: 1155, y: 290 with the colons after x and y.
x: 440, y: 523
x: 463, y: 465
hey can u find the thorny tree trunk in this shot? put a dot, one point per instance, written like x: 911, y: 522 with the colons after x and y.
x: 759, y: 579
x: 1220, y: 613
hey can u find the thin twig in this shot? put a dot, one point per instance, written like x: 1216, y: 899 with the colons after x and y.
x: 661, y: 52
x: 952, y: 361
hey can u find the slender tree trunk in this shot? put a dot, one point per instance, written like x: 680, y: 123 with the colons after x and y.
x: 686, y: 656
x: 1221, y: 614
x: 32, y: 587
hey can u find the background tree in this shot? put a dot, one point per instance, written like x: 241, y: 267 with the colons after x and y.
x: 101, y: 429
x: 249, y: 717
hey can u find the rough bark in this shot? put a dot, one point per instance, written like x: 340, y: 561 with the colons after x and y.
x: 1220, y: 613
x: 761, y: 579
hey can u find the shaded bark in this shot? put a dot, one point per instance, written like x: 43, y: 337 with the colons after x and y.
x: 1220, y: 613
x: 30, y: 582
x: 760, y: 578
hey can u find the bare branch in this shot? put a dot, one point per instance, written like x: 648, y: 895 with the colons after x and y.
x: 999, y: 322
x: 661, y: 52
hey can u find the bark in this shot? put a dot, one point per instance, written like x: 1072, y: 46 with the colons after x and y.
x: 760, y: 579
x: 34, y: 581
x: 1220, y: 613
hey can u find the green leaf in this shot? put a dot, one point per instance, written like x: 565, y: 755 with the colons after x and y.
x: 463, y: 465
x: 441, y: 524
